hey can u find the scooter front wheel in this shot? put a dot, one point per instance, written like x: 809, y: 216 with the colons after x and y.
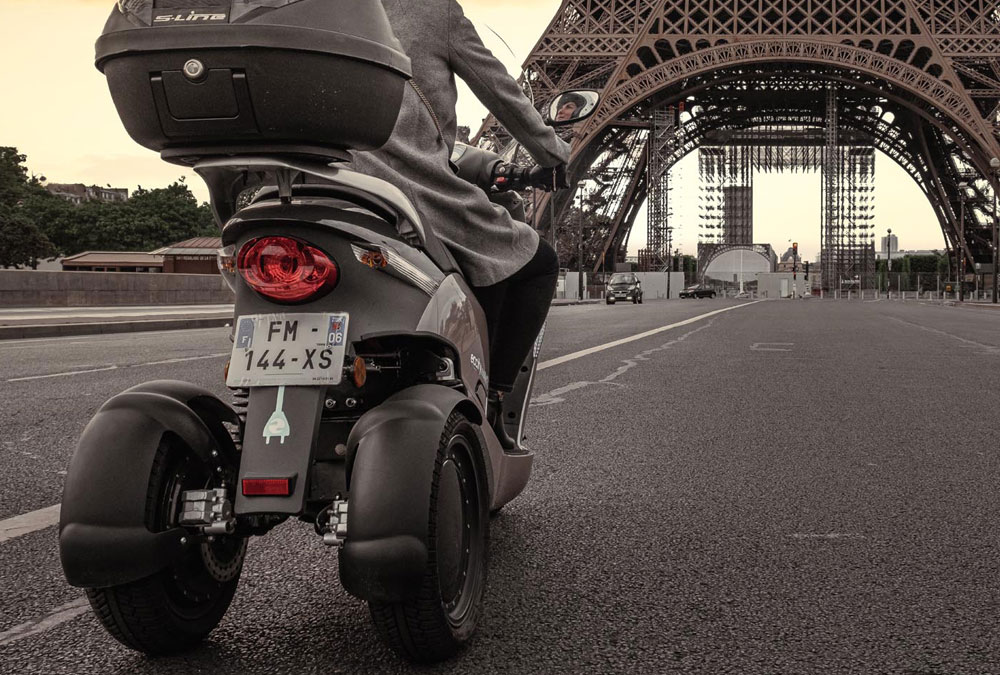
x: 176, y: 608
x: 441, y: 616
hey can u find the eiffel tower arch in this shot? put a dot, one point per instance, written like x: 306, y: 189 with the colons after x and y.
x: 917, y: 79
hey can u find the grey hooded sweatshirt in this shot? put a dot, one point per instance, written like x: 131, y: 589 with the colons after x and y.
x: 487, y: 243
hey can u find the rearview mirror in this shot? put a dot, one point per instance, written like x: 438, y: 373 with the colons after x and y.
x: 573, y: 106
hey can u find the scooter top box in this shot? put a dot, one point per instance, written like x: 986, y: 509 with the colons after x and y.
x: 196, y: 78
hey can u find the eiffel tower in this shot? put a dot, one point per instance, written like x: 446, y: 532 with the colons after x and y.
x: 916, y: 79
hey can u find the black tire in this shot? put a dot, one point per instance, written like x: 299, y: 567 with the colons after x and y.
x: 173, y: 610
x: 440, y: 618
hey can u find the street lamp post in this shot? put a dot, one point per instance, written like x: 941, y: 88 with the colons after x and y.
x: 995, y: 165
x: 888, y: 267
x: 579, y: 252
x: 962, y: 187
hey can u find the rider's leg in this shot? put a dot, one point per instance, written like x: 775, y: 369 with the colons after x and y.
x: 515, y: 313
x: 525, y: 305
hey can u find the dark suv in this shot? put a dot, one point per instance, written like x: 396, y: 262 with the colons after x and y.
x: 624, y: 286
x: 698, y: 292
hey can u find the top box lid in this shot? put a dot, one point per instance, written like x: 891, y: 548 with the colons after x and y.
x: 357, y: 29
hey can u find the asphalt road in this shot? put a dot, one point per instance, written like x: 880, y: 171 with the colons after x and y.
x: 788, y: 487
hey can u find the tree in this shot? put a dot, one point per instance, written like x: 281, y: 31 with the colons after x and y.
x: 14, y: 180
x: 22, y: 244
x: 150, y: 219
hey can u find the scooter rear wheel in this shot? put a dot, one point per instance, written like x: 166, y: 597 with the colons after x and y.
x: 176, y: 608
x: 440, y: 617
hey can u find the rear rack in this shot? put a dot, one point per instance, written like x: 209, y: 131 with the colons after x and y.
x: 227, y: 178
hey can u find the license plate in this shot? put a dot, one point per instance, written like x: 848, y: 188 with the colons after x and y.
x: 272, y: 350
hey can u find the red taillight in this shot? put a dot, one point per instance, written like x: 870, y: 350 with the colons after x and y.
x: 286, y: 269
x: 267, y: 487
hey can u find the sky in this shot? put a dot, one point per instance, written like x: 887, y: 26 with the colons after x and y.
x: 55, y: 108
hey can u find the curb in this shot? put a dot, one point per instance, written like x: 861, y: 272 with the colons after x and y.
x: 71, y: 329
x: 978, y: 305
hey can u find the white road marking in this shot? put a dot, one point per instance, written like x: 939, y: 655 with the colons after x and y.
x: 772, y: 346
x: 551, y: 363
x: 135, y: 365
x: 66, y: 374
x: 556, y: 395
x: 181, y: 360
x: 59, y: 615
x: 18, y: 526
x: 987, y: 348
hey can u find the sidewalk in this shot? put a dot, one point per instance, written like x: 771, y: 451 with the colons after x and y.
x: 38, y: 322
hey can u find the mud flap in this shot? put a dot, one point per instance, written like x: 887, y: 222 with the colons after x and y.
x: 103, y: 538
x: 279, y: 441
x: 391, y: 456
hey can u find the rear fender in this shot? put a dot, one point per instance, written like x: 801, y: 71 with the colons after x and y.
x: 103, y: 537
x: 391, y: 456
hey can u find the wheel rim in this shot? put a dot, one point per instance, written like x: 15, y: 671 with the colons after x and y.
x: 459, y: 544
x: 191, y: 587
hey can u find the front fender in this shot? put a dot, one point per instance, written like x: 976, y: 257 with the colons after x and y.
x: 103, y: 536
x: 391, y: 456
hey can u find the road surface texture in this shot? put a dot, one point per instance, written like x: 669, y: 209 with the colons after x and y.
x: 786, y: 487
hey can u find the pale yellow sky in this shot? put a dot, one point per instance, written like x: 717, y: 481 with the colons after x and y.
x: 57, y: 110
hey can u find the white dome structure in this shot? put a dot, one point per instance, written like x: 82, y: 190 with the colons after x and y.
x: 737, y: 265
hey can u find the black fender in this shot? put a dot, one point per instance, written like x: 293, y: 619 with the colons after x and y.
x: 391, y: 455
x: 103, y: 536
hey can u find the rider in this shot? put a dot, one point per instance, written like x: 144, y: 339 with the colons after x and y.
x: 513, y: 272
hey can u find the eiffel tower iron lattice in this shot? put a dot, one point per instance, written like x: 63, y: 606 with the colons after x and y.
x: 916, y: 79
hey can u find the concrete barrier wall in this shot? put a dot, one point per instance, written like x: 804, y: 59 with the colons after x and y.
x: 26, y: 288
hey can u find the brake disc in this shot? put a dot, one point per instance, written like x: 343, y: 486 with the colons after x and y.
x: 222, y: 558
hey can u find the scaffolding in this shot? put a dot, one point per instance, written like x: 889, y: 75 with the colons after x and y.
x: 847, y: 257
x: 846, y: 161
x: 726, y: 175
x: 662, y: 139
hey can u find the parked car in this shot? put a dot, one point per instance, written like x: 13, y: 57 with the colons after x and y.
x: 624, y: 286
x: 698, y: 292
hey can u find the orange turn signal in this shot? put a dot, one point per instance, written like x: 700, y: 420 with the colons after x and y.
x: 360, y: 372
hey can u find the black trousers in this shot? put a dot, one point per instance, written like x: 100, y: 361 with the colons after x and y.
x: 515, y: 312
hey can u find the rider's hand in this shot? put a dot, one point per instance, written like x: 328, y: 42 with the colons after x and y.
x: 549, y: 178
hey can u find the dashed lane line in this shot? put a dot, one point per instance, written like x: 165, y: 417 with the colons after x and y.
x: 59, y: 615
x: 551, y: 363
x: 28, y: 523
x: 70, y: 373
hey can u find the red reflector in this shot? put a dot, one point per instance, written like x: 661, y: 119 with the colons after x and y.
x: 286, y: 269
x: 267, y: 487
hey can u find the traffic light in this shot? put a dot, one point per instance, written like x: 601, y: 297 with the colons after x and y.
x: 807, y: 271
x: 795, y: 261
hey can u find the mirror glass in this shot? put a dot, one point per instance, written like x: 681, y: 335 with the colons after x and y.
x: 573, y: 106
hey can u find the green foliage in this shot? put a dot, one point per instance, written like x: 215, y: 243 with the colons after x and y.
x: 22, y: 244
x: 14, y: 182
x: 150, y: 219
x: 914, y: 272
